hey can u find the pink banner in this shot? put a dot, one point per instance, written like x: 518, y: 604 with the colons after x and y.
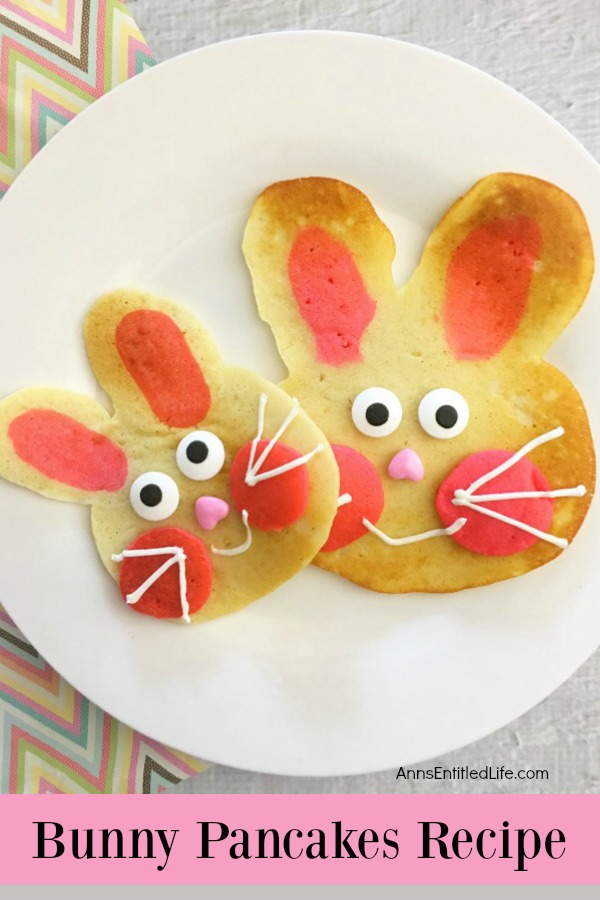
x: 300, y: 839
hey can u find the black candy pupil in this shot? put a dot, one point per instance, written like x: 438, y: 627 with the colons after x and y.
x: 446, y: 417
x: 377, y: 414
x: 151, y: 495
x: 196, y: 452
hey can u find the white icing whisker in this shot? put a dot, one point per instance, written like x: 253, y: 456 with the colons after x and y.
x: 251, y: 480
x: 578, y: 491
x: 344, y: 499
x: 413, y: 538
x: 253, y: 473
x: 177, y: 556
x: 137, y: 595
x: 280, y: 431
x: 150, y: 551
x: 516, y: 523
x: 235, y: 551
x: 262, y: 403
x: 185, y: 606
x: 507, y: 464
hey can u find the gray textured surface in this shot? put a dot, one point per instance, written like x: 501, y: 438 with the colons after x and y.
x: 550, y: 51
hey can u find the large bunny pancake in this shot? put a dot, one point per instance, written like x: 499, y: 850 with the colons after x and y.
x: 208, y: 486
x: 464, y: 457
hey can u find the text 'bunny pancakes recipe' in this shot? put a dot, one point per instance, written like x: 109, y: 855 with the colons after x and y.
x: 464, y: 457
x: 208, y: 485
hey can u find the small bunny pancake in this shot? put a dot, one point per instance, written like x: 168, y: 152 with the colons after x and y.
x: 464, y: 457
x: 208, y: 486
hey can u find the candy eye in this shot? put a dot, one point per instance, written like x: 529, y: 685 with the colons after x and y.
x: 376, y: 412
x: 200, y: 455
x: 443, y: 413
x: 154, y: 496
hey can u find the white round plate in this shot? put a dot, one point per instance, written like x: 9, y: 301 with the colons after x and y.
x: 151, y: 188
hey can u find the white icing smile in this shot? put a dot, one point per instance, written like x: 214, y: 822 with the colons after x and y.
x: 414, y: 538
x: 241, y: 548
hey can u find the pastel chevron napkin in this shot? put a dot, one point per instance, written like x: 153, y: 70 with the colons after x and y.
x: 57, y: 57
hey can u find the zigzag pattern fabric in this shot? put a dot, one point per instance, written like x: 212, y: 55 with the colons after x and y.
x: 57, y: 57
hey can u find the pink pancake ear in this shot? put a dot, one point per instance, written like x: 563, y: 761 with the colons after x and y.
x: 157, y: 356
x: 64, y: 450
x: 330, y: 294
x: 487, y: 285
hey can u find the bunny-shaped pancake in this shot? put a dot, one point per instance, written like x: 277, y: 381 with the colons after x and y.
x: 208, y: 486
x: 464, y: 458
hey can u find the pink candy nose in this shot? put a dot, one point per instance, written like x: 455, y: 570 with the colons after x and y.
x: 406, y: 464
x: 210, y: 511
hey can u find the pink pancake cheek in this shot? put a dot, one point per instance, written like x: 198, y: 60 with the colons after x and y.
x: 330, y: 294
x: 482, y: 534
x: 68, y: 452
x: 162, y: 600
x: 275, y: 503
x: 360, y: 479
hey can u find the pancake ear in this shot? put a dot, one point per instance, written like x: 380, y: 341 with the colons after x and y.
x: 488, y: 284
x: 515, y: 259
x: 55, y: 443
x: 330, y: 295
x: 319, y: 257
x: 153, y: 358
x: 155, y: 353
